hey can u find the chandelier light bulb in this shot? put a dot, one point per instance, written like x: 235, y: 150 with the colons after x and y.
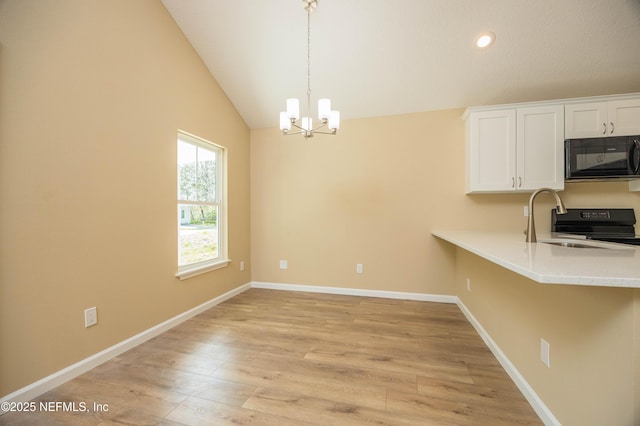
x: 285, y: 122
x: 334, y: 120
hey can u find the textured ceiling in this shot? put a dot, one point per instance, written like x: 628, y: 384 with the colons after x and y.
x: 386, y: 57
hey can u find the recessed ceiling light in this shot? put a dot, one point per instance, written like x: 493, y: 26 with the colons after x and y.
x: 485, y: 40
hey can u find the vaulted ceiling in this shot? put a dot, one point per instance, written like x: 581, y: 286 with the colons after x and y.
x: 386, y: 57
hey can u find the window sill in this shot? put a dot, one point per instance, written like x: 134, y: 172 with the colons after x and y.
x: 201, y: 269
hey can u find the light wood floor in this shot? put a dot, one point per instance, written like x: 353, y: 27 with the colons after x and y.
x: 271, y: 357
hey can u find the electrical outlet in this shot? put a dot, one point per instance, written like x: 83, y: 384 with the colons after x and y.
x: 525, y: 209
x: 90, y: 317
x: 545, y: 356
x: 284, y: 264
x: 468, y: 284
x: 241, y: 265
x: 359, y: 268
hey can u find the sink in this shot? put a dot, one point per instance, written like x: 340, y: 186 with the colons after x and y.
x: 585, y: 244
x: 572, y: 244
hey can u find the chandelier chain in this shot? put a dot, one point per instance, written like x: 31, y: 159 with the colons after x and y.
x: 309, y: 61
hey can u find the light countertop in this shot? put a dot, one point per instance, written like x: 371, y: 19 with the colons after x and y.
x: 550, y: 264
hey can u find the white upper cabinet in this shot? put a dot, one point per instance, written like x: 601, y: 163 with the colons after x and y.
x: 515, y: 149
x: 491, y: 150
x: 600, y: 119
x: 520, y: 147
x: 588, y: 120
x: 540, y: 147
x: 624, y: 117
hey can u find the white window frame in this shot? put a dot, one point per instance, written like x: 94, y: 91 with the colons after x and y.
x: 222, y: 260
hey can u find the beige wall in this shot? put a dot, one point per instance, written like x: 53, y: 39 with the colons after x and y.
x: 373, y: 194
x: 590, y: 331
x: 92, y: 96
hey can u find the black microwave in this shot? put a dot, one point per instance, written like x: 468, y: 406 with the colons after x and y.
x: 602, y: 158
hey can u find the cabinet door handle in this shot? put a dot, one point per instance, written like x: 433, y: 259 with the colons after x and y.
x: 519, y: 181
x: 604, y: 128
x: 612, y: 128
x: 513, y: 182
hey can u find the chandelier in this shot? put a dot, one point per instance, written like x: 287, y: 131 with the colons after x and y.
x: 328, y: 117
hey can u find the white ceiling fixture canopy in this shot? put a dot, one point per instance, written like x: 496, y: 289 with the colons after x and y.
x: 328, y: 117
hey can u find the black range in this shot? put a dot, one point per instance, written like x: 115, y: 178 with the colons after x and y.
x: 614, y: 225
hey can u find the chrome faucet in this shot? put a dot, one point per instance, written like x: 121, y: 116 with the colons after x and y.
x: 531, y: 226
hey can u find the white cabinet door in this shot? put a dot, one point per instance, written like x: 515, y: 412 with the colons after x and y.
x: 624, y: 117
x: 599, y: 119
x: 588, y: 120
x: 491, y: 148
x: 540, y: 147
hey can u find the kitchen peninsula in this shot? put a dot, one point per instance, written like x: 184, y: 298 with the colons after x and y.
x: 562, y: 321
x: 545, y: 263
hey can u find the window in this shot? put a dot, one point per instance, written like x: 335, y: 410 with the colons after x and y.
x: 201, y: 210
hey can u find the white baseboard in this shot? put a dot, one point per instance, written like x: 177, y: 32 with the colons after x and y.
x: 423, y: 297
x: 532, y: 397
x: 56, y: 379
